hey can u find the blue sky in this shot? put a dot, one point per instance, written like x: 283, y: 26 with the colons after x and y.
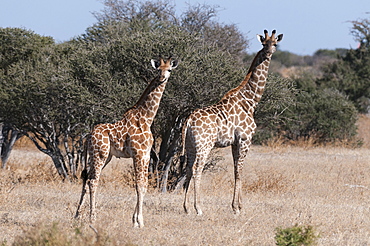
x: 307, y: 25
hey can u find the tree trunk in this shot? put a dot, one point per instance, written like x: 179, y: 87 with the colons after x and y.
x: 8, y: 137
x: 169, y: 148
x: 52, y: 150
x: 165, y: 173
x: 180, y: 183
x: 59, y: 164
x: 70, y: 156
x: 1, y: 143
x: 153, y: 166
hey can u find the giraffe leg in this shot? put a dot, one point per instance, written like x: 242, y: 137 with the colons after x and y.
x: 188, y: 178
x: 93, y: 185
x: 197, y: 201
x: 92, y: 182
x: 239, y: 151
x: 82, y: 199
x: 141, y: 173
x: 197, y: 175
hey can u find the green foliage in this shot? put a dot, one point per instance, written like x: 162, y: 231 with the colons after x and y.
x: 351, y: 74
x: 285, y: 110
x: 42, y: 90
x: 42, y: 100
x: 326, y: 114
x: 295, y: 236
x: 330, y: 53
x: 306, y: 81
x: 18, y: 44
x: 289, y: 59
x: 271, y: 113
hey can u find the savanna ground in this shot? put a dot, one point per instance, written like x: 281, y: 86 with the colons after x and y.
x: 327, y: 188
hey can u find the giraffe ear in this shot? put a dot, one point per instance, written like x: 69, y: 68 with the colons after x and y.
x: 174, y: 64
x: 280, y: 37
x: 155, y: 63
x: 260, y: 38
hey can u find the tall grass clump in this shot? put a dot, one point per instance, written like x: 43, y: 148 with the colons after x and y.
x: 53, y: 235
x: 270, y: 181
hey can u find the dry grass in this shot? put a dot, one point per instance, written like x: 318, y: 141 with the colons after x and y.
x: 324, y: 187
x: 363, y: 125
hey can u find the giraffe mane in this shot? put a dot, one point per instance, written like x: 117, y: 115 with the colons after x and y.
x: 246, y: 79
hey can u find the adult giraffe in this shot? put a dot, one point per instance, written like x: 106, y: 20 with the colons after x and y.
x: 228, y: 122
x: 129, y: 138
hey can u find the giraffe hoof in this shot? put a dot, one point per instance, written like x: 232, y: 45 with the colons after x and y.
x: 92, y: 219
x: 236, y: 211
x: 77, y: 216
x: 137, y: 225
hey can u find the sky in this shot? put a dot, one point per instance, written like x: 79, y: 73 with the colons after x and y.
x: 307, y: 25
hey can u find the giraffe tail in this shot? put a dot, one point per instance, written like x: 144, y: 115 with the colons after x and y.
x: 183, y: 139
x: 84, y: 161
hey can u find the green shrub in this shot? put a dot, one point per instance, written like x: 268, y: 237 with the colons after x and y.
x: 279, y: 97
x: 325, y: 115
x: 295, y: 236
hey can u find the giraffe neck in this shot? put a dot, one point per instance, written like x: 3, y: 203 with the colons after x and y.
x: 254, y: 82
x: 251, y: 89
x: 149, y: 101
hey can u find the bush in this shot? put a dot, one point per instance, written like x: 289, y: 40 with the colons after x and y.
x: 351, y: 73
x: 279, y: 96
x: 326, y: 114
x: 295, y: 236
x: 286, y: 111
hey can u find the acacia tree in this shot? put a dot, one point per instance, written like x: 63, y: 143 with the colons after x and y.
x: 16, y: 45
x: 133, y: 32
x: 47, y: 104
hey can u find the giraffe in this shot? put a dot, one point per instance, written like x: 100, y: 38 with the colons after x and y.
x: 228, y: 122
x: 129, y: 138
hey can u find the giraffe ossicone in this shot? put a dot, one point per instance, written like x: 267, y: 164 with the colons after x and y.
x: 228, y: 122
x: 130, y: 137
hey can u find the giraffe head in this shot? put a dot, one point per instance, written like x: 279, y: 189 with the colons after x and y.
x: 164, y: 68
x: 270, y: 43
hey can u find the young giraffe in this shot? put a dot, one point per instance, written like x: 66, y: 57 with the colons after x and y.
x: 129, y: 138
x: 228, y: 122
